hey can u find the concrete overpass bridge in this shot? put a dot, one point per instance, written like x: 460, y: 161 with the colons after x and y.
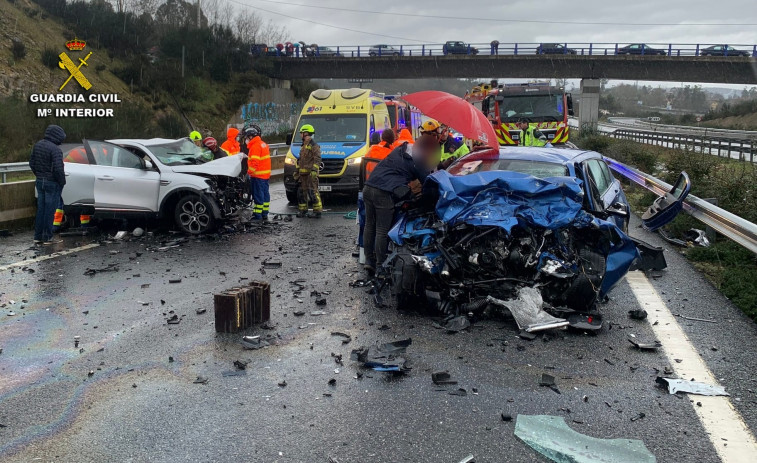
x: 588, y: 62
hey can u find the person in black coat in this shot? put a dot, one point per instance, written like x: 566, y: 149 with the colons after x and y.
x: 46, y: 163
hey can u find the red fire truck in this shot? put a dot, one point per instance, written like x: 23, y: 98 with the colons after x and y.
x: 403, y: 115
x: 544, y: 106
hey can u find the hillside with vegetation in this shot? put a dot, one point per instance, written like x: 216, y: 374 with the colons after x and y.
x: 137, y: 53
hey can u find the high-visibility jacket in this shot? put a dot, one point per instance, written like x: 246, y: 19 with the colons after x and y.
x: 231, y: 145
x: 453, y: 149
x: 405, y: 136
x: 258, y: 159
x: 376, y: 153
x: 532, y: 137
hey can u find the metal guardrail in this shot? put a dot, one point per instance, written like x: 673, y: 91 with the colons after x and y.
x: 687, y: 129
x: 277, y: 149
x: 720, y: 220
x: 500, y: 48
x: 733, y: 148
x: 12, y: 167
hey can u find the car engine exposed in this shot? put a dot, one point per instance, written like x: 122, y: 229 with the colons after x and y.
x: 490, y: 240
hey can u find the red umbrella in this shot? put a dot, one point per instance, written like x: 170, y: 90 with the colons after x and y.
x: 456, y: 113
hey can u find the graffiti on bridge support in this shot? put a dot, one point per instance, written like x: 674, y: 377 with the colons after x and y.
x: 272, y: 117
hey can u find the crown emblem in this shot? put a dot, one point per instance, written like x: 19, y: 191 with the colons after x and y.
x: 76, y: 44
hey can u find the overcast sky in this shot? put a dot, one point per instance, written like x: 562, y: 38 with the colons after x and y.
x: 437, y: 30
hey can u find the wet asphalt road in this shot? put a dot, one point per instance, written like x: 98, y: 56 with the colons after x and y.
x: 137, y: 405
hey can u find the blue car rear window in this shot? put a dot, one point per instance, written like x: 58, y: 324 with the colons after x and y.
x: 536, y: 168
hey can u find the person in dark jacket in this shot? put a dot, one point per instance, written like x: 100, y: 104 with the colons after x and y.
x: 399, y: 175
x: 46, y: 163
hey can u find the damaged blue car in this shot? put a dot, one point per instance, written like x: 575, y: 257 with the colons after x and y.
x: 527, y: 229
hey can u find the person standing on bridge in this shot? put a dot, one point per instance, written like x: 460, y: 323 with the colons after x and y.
x: 530, y: 136
x: 308, y: 167
x: 259, y: 170
x: 46, y: 163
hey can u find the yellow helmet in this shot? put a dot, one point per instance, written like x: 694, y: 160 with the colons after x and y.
x: 195, y: 135
x: 430, y: 126
x: 307, y: 128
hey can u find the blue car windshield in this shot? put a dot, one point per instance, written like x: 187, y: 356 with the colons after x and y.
x: 535, y: 168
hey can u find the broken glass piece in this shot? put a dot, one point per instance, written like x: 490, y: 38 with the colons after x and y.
x: 528, y: 312
x: 691, y: 387
x: 551, y: 437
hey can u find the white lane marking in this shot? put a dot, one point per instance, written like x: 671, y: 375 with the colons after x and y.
x: 24, y: 263
x: 728, y: 432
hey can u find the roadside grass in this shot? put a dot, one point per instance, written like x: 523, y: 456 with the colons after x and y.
x: 731, y: 184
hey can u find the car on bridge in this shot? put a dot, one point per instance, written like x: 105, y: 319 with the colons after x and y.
x: 458, y: 48
x: 384, y: 50
x: 554, y: 49
x: 723, y: 50
x: 640, y: 49
x: 499, y: 221
x: 157, y: 178
x: 329, y: 52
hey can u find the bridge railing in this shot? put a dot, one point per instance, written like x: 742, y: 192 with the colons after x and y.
x: 516, y: 49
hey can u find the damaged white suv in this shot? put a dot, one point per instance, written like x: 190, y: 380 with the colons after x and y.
x: 162, y: 178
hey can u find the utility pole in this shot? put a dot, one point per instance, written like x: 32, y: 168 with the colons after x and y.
x: 198, y: 14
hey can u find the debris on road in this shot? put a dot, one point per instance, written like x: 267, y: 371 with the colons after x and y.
x: 76, y: 341
x: 108, y: 268
x: 456, y: 324
x: 638, y: 416
x: 528, y: 311
x: 269, y: 264
x: 585, y: 322
x: 283, y: 383
x: 256, y: 342
x: 175, y: 280
x: 506, y: 417
x: 120, y: 235
x: 138, y: 232
x: 442, y: 378
x: 553, y: 438
x: 548, y: 381
x: 240, y: 307
x: 346, y: 338
x: 201, y: 380
x: 241, y: 364
x: 691, y: 387
x: 654, y: 345
x: 468, y: 459
x: 299, y: 313
x: 652, y: 258
x: 695, y: 319
x: 173, y: 320
x: 637, y: 314
x: 316, y: 313
x: 200, y: 311
x: 459, y: 392
x: 383, y: 357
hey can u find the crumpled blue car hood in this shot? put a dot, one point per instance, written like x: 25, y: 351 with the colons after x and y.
x: 507, y: 199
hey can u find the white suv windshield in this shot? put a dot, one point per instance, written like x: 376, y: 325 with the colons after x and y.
x: 179, y: 152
